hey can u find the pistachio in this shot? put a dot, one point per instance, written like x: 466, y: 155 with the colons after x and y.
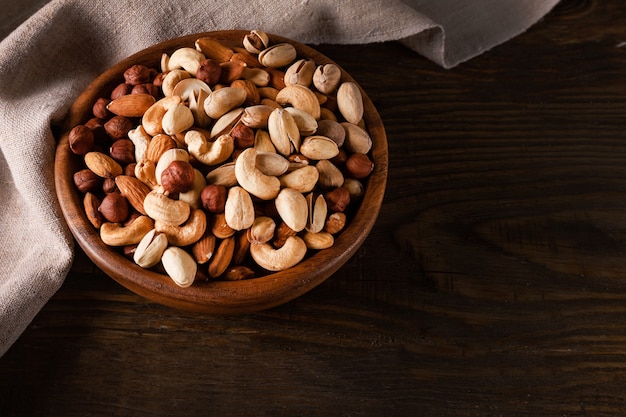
x: 239, y: 209
x: 318, y: 210
x: 278, y: 55
x: 256, y: 41
x: 221, y: 101
x: 150, y: 249
x: 302, y: 179
x: 300, y: 72
x: 262, y: 230
x: 319, y: 147
x: 326, y: 78
x: 307, y: 125
x: 179, y: 266
x: 292, y: 208
x: 350, y: 102
x: 283, y: 131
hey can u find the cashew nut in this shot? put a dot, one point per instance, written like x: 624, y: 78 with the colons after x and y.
x: 252, y: 179
x: 162, y: 208
x: 153, y: 117
x: 171, y: 79
x: 209, y: 153
x: 192, y: 197
x: 221, y: 101
x: 115, y: 234
x: 186, y: 234
x: 291, y: 253
x: 301, y: 98
x: 186, y: 58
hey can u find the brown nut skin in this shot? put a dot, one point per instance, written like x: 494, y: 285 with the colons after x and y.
x: 337, y: 199
x: 137, y: 74
x: 209, y: 71
x: 243, y: 136
x: 99, y: 108
x: 213, y: 198
x: 86, y: 180
x: 81, y: 139
x: 123, y: 151
x: 358, y: 165
x: 114, y: 207
x: 117, y: 127
x: 178, y: 177
x: 121, y: 90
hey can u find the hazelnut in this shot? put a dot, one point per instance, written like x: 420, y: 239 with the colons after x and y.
x: 358, y: 165
x: 137, y: 74
x: 118, y: 127
x: 123, y: 151
x: 129, y: 169
x: 120, y: 90
x: 213, y: 198
x: 158, y: 79
x: 178, y: 177
x: 86, y: 180
x: 147, y: 88
x: 337, y: 199
x: 99, y: 108
x: 109, y: 185
x: 209, y: 71
x: 335, y: 223
x: 114, y: 207
x: 97, y: 127
x: 243, y: 136
x: 81, y: 139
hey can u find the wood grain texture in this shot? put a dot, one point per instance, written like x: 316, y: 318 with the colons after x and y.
x: 493, y: 283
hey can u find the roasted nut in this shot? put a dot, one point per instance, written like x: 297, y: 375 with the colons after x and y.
x: 256, y: 41
x: 137, y: 74
x: 209, y: 153
x: 187, y: 233
x: 221, y: 101
x: 262, y: 230
x: 357, y: 139
x: 102, y: 164
x: 331, y: 129
x: 335, y: 223
x: 350, y: 102
x: 86, y: 180
x: 239, y: 209
x: 179, y: 266
x: 117, y: 127
x: 131, y: 105
x: 319, y: 147
x: 283, y: 132
x: 116, y: 234
x: 318, y: 241
x: 278, y: 55
x: 167, y: 158
x: 134, y: 190
x: 121, y: 90
x: 358, y: 165
x: 99, y: 108
x: 220, y: 228
x: 192, y: 197
x: 150, y: 249
x: 213, y: 198
x: 326, y: 78
x: 213, y: 49
x: 123, y: 151
x: 114, y: 207
x: 292, y: 208
x: 186, y: 58
x: 290, y: 254
x: 178, y: 177
x: 203, y: 249
x: 81, y: 139
x: 301, y: 98
x: 329, y: 175
x: 252, y: 92
x: 162, y: 208
x: 252, y: 179
x: 300, y: 72
x: 337, y: 199
x: 302, y: 179
x: 222, y: 257
x: 91, y: 204
x: 209, y: 71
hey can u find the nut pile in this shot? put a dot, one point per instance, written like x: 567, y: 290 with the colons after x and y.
x: 225, y: 162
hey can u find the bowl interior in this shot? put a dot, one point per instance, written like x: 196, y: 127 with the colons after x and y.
x: 217, y: 297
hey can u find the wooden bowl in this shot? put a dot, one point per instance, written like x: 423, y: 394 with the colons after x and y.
x: 216, y: 297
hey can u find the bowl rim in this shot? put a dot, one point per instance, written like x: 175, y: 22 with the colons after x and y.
x: 216, y: 297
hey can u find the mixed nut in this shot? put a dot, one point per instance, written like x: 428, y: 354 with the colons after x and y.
x: 225, y: 162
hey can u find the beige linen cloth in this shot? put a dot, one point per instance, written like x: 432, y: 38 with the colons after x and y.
x: 52, y: 56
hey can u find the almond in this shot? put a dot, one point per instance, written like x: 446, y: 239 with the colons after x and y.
x: 222, y: 257
x: 134, y: 190
x: 131, y: 105
x: 214, y: 49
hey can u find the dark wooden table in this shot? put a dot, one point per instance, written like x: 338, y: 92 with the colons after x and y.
x: 494, y: 283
